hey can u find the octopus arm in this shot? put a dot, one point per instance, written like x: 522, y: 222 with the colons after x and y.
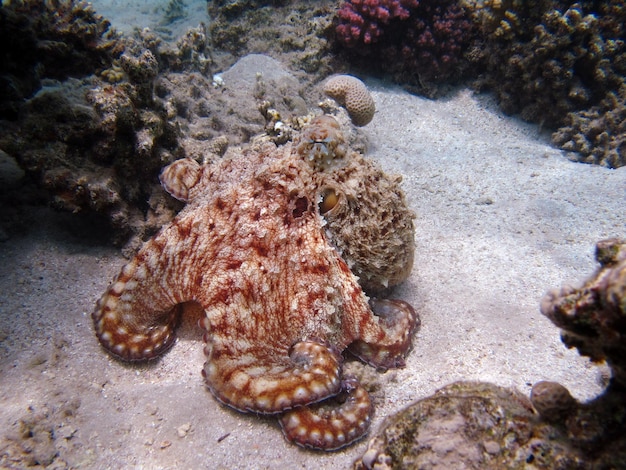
x: 330, y: 426
x: 136, y: 317
x: 254, y: 378
x: 385, y: 337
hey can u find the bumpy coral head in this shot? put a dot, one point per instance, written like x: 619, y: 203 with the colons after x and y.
x: 352, y: 93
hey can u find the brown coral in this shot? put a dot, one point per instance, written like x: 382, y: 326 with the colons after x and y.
x: 598, y: 134
x: 593, y: 316
x: 562, y: 64
x: 352, y: 93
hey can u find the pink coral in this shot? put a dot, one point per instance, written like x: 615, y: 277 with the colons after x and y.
x: 417, y: 42
x: 363, y: 20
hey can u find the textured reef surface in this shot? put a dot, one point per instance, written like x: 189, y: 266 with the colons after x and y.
x: 478, y: 425
x: 92, y: 115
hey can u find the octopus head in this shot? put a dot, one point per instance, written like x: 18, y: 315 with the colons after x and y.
x: 321, y: 143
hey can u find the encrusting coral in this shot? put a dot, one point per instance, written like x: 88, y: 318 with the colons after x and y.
x: 469, y: 425
x: 281, y: 303
x: 352, y: 93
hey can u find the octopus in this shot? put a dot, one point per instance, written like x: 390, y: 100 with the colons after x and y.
x: 280, y: 304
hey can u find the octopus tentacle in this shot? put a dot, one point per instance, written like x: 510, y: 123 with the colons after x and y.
x: 136, y: 317
x: 384, y: 344
x: 308, y: 373
x: 324, y: 428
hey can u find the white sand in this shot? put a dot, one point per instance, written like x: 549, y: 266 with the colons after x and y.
x: 502, y: 217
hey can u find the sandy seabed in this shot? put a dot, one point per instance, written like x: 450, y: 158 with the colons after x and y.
x: 502, y: 217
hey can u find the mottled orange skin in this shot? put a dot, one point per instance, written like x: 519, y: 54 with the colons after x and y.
x: 280, y: 303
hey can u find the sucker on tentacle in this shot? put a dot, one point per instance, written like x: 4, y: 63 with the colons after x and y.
x: 318, y: 427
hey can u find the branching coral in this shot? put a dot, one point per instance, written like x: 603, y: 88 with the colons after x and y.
x: 421, y: 43
x: 598, y: 134
x: 545, y: 59
x: 365, y: 21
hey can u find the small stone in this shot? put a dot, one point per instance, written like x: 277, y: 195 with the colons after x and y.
x: 183, y: 429
x: 491, y: 447
x: 551, y: 400
x: 165, y: 444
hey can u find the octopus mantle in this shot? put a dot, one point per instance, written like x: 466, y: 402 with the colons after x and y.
x: 281, y: 304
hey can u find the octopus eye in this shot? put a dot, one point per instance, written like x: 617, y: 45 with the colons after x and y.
x: 329, y: 201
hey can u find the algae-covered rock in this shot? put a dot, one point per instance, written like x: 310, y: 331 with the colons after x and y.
x: 469, y: 425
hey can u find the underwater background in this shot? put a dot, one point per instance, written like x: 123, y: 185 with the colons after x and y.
x: 505, y: 120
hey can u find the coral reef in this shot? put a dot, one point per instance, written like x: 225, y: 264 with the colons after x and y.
x: 555, y: 57
x: 597, y: 134
x: 592, y: 316
x: 281, y: 303
x: 51, y: 39
x: 559, y: 63
x: 352, y: 93
x: 421, y: 44
x: 98, y: 142
x: 293, y: 31
x: 478, y: 425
